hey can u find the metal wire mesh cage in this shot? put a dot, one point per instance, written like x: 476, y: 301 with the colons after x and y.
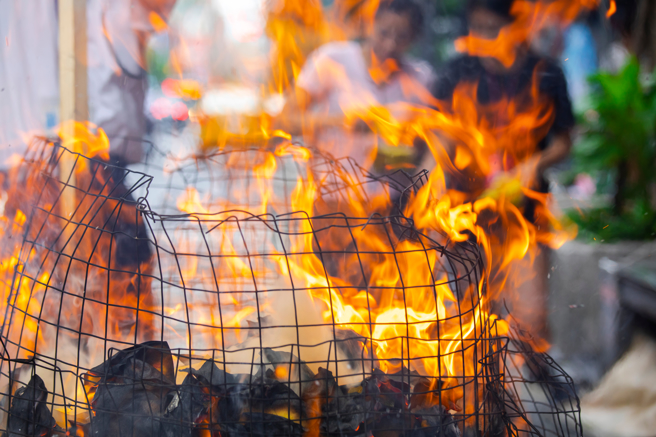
x: 260, y: 297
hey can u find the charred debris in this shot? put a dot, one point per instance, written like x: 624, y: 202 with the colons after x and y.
x: 134, y: 393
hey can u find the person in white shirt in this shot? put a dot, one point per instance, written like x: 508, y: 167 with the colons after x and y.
x: 347, y: 78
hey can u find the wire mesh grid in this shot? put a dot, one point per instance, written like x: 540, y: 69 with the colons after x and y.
x: 125, y: 320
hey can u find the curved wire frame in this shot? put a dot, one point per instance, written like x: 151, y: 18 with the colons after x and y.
x: 140, y: 319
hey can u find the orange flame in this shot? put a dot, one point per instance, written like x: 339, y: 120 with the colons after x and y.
x: 529, y: 18
x: 403, y: 310
x: 157, y: 21
x: 611, y: 9
x: 80, y: 138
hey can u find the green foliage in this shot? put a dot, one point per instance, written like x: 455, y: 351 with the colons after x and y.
x: 619, y: 144
x: 450, y: 7
x: 157, y: 64
x: 603, y: 225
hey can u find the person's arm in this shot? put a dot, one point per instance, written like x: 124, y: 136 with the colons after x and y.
x: 532, y: 170
x: 557, y: 151
x: 553, y: 84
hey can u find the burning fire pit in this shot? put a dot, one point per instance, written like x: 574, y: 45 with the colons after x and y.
x: 224, y: 319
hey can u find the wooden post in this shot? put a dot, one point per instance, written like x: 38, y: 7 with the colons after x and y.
x: 72, y: 84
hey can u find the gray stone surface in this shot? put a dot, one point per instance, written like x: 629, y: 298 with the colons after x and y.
x: 578, y: 310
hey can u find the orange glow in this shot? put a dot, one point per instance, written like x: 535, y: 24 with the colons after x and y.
x: 20, y: 218
x: 381, y: 71
x: 157, y: 22
x: 190, y: 202
x: 394, y: 294
x: 281, y: 373
x: 264, y: 172
x: 529, y: 19
x: 296, y: 28
x: 80, y: 138
x: 463, y: 158
x: 611, y: 9
x: 183, y: 88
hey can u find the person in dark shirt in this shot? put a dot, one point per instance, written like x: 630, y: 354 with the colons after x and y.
x: 486, y: 19
x: 495, y: 82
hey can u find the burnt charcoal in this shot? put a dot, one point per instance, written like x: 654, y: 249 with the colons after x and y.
x: 318, y: 398
x: 261, y: 424
x: 189, y: 405
x: 268, y: 425
x: 156, y: 354
x: 434, y: 421
x: 288, y: 368
x: 133, y: 393
x: 130, y: 391
x: 405, y: 376
x: 427, y: 406
x: 391, y: 425
x: 388, y: 417
x: 212, y: 375
x: 29, y: 414
x: 127, y: 409
x: 380, y: 406
x: 392, y: 392
x: 275, y: 398
x: 352, y: 345
x: 78, y: 429
x: 427, y: 393
x: 231, y: 404
x: 342, y: 410
x: 263, y: 396
x: 231, y: 429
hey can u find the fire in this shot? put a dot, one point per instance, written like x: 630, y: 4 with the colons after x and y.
x: 187, y: 89
x: 530, y: 18
x: 80, y: 138
x: 611, y: 9
x: 296, y: 27
x: 157, y: 21
x: 392, y: 318
x: 190, y: 202
x: 391, y: 293
x: 38, y: 289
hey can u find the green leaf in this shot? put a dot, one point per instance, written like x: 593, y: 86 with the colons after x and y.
x: 623, y: 131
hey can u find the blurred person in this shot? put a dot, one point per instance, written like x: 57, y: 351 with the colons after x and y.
x: 117, y: 33
x: 574, y: 49
x: 117, y: 36
x: 352, y: 77
x: 486, y: 18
